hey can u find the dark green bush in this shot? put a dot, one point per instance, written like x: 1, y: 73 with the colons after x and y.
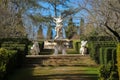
x: 101, y: 57
x: 100, y: 38
x: 108, y: 72
x: 14, y: 40
x: 77, y: 46
x: 3, y: 61
x: 113, y: 76
x: 94, y: 48
x: 9, y: 60
x: 108, y: 54
x: 105, y: 71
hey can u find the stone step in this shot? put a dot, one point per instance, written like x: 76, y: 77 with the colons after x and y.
x: 59, y: 60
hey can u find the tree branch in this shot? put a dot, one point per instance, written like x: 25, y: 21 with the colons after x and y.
x: 111, y: 30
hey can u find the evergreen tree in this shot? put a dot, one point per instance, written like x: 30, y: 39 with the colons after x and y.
x: 40, y: 33
x: 49, y: 32
x: 81, y: 26
x: 71, y: 29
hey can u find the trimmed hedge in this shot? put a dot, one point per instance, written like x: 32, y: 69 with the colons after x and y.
x: 100, y: 38
x: 101, y: 56
x: 118, y: 58
x: 7, y: 61
x: 107, y: 54
x: 16, y: 40
x: 104, y: 53
x: 108, y: 72
x: 95, y: 51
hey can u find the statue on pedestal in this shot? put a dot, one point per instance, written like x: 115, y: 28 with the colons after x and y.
x: 83, y: 49
x: 60, y: 46
x: 58, y: 28
x: 35, y: 50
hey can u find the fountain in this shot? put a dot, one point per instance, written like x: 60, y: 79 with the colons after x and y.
x: 59, y: 40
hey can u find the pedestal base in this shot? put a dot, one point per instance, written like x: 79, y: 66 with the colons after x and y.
x: 60, y: 47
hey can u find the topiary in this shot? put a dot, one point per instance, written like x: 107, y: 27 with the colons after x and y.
x: 104, y: 71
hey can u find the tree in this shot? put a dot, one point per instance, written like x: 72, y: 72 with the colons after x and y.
x: 107, y: 16
x: 40, y: 33
x: 81, y: 28
x: 55, y: 5
x: 12, y: 16
x: 71, y: 29
x: 49, y: 33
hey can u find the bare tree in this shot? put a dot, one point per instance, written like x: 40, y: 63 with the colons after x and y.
x: 106, y: 15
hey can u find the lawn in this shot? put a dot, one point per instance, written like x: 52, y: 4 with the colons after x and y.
x: 55, y: 73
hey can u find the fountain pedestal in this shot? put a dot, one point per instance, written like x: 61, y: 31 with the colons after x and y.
x: 60, y: 46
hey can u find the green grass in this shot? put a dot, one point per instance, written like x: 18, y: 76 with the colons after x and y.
x: 55, y: 73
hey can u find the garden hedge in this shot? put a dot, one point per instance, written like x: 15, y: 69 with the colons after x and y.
x: 118, y: 58
x: 7, y: 61
x: 94, y: 48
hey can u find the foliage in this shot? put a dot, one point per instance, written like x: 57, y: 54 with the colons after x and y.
x: 108, y: 72
x: 104, y: 52
x: 100, y: 38
x: 118, y: 58
x: 71, y: 29
x: 101, y: 48
x: 49, y: 32
x: 106, y: 15
x: 12, y: 54
x: 8, y: 61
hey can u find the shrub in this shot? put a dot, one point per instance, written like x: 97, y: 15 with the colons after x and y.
x: 9, y: 59
x: 92, y: 50
x: 118, y: 58
x: 108, y: 54
x: 101, y: 57
x: 3, y: 61
x: 105, y: 71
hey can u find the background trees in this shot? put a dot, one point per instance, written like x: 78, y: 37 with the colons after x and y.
x: 17, y: 17
x: 105, y: 15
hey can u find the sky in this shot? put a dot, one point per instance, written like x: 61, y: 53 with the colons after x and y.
x: 28, y: 22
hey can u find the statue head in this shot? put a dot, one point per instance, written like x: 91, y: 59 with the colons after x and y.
x: 83, y: 43
x: 58, y: 20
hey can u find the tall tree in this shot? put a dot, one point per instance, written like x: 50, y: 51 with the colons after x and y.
x: 81, y: 28
x: 55, y: 5
x: 71, y: 30
x: 40, y: 33
x: 49, y: 33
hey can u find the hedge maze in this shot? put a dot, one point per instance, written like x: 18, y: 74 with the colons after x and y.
x: 104, y: 53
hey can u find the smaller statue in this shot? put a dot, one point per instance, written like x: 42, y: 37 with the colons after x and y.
x: 35, y: 50
x: 83, y: 49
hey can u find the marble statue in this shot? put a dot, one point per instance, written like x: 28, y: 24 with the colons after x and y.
x: 59, y: 40
x: 35, y: 48
x: 83, y: 49
x: 58, y: 28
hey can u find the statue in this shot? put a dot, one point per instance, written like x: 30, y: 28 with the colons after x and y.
x: 58, y: 28
x: 83, y: 49
x: 35, y: 50
x: 60, y: 42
